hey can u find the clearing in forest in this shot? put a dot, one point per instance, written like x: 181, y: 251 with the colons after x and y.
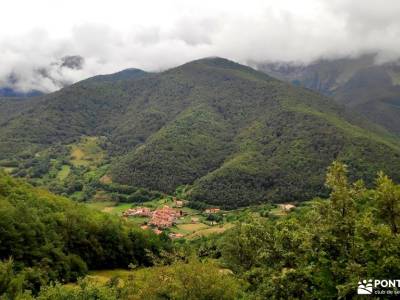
x: 87, y: 152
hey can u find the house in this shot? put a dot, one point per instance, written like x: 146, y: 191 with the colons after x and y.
x: 286, y: 206
x: 157, y: 231
x: 178, y: 203
x: 138, y: 211
x: 175, y: 235
x: 212, y: 210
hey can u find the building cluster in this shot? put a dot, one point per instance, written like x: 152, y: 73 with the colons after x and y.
x: 160, y: 218
x: 138, y: 212
x: 165, y: 217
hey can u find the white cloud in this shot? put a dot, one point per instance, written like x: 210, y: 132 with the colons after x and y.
x: 154, y: 35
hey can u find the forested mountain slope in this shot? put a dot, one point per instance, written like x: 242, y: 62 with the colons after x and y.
x: 235, y: 135
x: 359, y: 83
x: 51, y: 238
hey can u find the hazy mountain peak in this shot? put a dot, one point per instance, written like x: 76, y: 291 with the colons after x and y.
x: 215, y: 61
x: 131, y: 73
x: 362, y: 84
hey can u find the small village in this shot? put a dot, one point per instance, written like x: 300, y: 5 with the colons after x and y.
x: 173, y: 217
x: 165, y: 217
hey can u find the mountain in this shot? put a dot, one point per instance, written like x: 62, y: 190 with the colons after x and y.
x: 359, y: 83
x: 234, y: 135
x: 55, y: 75
x: 122, y: 75
x: 10, y: 92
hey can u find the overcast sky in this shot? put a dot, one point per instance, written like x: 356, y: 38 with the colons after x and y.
x: 154, y: 35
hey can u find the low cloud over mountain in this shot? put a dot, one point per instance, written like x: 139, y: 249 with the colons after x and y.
x: 155, y: 36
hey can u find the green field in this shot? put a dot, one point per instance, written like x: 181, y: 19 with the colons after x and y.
x: 110, y: 206
x: 210, y: 230
x: 87, y: 152
x: 105, y: 275
x: 64, y: 172
x: 189, y: 228
x: 100, y: 205
x: 8, y: 169
x: 119, y: 208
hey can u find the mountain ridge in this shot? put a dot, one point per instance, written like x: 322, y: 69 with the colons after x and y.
x: 236, y: 136
x: 361, y: 84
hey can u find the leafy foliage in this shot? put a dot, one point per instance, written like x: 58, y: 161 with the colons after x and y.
x: 318, y: 251
x: 323, y: 249
x: 182, y: 281
x: 59, y: 240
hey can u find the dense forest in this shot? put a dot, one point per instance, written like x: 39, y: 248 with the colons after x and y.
x: 322, y: 250
x: 234, y: 135
x: 46, y: 238
x: 359, y: 83
x: 318, y: 251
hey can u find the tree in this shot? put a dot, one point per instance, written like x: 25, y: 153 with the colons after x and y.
x: 341, y: 198
x: 341, y: 216
x: 52, y: 235
x: 322, y: 249
x: 183, y: 281
x: 388, y: 201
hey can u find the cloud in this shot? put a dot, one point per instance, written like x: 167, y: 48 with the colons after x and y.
x: 132, y: 34
x: 196, y: 32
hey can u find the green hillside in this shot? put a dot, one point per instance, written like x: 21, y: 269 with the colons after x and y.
x: 360, y: 84
x: 234, y: 135
x: 320, y: 249
x: 51, y: 238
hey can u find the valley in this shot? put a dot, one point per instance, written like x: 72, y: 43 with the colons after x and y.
x: 209, y: 179
x: 199, y: 150
x: 191, y: 223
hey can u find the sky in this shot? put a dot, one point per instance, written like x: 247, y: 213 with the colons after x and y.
x: 36, y: 36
